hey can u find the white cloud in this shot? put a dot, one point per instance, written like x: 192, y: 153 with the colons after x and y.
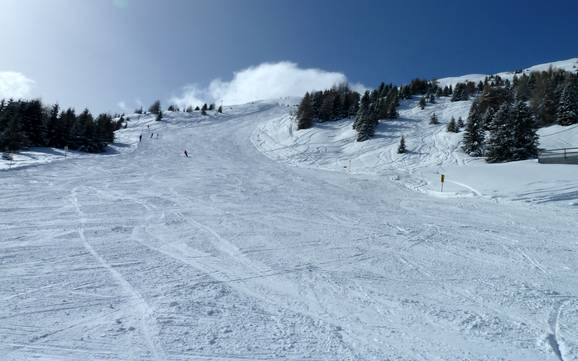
x: 14, y: 85
x: 122, y: 105
x: 192, y: 94
x: 264, y: 81
x: 126, y: 108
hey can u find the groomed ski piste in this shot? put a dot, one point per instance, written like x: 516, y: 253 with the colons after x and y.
x: 270, y: 243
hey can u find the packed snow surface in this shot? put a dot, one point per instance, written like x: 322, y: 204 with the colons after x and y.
x: 257, y: 248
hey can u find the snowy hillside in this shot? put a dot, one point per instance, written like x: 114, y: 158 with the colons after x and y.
x: 226, y: 255
x: 269, y: 243
x: 125, y: 140
x: 432, y: 152
x: 570, y: 65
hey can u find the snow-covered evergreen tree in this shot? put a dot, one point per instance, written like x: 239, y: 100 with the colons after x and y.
x: 526, y: 139
x: 460, y: 123
x: 568, y: 107
x: 512, y: 134
x: 401, y: 149
x: 488, y: 118
x: 460, y: 92
x: 422, y: 103
x: 452, y: 126
x: 501, y: 139
x: 544, y: 102
x: 155, y: 108
x: 365, y: 122
x: 305, y: 113
x: 473, y: 143
x: 12, y: 136
x: 434, y: 119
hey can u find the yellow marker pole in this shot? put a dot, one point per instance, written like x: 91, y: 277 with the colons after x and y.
x: 443, y: 179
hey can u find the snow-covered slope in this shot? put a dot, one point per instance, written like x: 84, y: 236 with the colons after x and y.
x: 125, y: 140
x: 432, y: 152
x: 570, y: 65
x: 230, y: 255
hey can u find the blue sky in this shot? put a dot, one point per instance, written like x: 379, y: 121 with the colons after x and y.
x: 99, y: 53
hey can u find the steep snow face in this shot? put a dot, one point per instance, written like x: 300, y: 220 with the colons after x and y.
x: 570, y: 65
x: 228, y: 255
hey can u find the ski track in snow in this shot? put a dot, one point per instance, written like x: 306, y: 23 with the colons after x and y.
x: 232, y: 255
x: 145, y: 315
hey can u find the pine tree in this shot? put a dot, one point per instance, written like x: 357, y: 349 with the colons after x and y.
x: 12, y: 137
x: 461, y: 92
x: 568, y: 106
x: 452, y: 126
x: 305, y: 113
x: 363, y: 110
x: 460, y: 123
x: 512, y: 134
x: 159, y: 116
x: 51, y: 126
x: 488, y: 118
x: 434, y: 119
x: 543, y: 101
x: 353, y: 104
x: 473, y: 143
x: 522, y: 88
x: 366, y: 130
x: 401, y: 149
x: 220, y: 110
x: 526, y: 139
x: 422, y: 103
x: 501, y: 138
x: 365, y: 122
x: 155, y: 108
x: 204, y: 109
x: 326, y: 109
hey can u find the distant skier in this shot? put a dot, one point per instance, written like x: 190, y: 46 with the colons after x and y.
x: 186, y: 154
x: 140, y: 138
x: 152, y: 135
